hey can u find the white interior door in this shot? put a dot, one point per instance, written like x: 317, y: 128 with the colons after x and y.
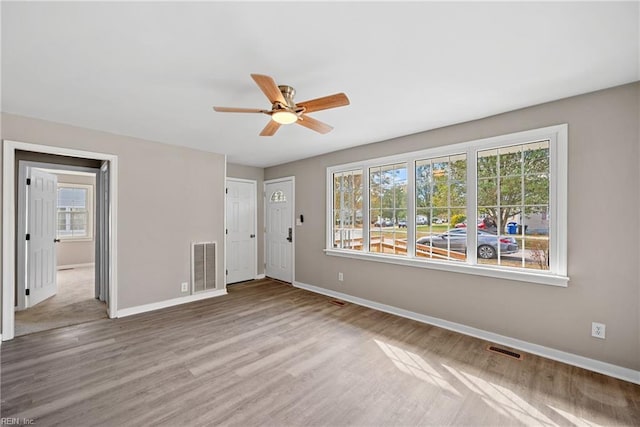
x: 241, y: 231
x: 279, y: 230
x: 41, y: 229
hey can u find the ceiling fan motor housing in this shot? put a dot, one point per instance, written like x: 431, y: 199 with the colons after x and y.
x: 288, y: 93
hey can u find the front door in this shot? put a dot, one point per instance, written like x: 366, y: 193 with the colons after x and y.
x: 241, y: 230
x: 279, y: 230
x: 41, y: 229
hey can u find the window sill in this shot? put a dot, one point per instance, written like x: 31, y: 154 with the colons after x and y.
x: 478, y: 270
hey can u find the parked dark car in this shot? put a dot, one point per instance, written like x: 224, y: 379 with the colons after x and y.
x: 456, y: 240
x: 383, y: 223
x: 402, y: 223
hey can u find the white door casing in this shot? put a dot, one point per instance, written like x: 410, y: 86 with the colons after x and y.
x: 279, y: 237
x: 9, y: 203
x: 241, y: 230
x: 41, y: 229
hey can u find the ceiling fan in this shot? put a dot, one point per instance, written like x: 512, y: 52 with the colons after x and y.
x: 284, y: 111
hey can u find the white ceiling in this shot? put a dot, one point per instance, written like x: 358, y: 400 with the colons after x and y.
x: 153, y: 70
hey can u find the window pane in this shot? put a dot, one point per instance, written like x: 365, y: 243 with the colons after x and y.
x: 511, y: 191
x: 441, y: 199
x: 488, y: 164
x: 518, y: 202
x: 73, y: 214
x: 347, y: 210
x: 387, y: 207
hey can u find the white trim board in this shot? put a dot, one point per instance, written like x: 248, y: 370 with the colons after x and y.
x: 138, y: 309
x: 605, y: 368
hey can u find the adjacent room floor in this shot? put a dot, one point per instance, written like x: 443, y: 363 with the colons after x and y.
x: 74, y: 303
x: 271, y: 354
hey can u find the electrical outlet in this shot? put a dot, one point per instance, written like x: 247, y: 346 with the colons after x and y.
x: 184, y: 287
x: 340, y: 277
x: 598, y: 330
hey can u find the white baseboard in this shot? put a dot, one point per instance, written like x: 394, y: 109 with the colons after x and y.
x: 605, y: 368
x: 170, y: 303
x: 260, y: 276
x: 70, y: 266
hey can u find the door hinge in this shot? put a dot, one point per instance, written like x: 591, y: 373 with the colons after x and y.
x: 226, y: 190
x: 28, y: 181
x: 226, y: 231
x: 26, y: 292
x: 226, y: 272
x: 28, y: 236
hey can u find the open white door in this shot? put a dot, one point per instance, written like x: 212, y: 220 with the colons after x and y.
x: 241, y: 230
x: 41, y: 231
x: 279, y: 229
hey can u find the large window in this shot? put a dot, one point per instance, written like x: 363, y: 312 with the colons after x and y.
x: 494, y: 207
x: 75, y: 210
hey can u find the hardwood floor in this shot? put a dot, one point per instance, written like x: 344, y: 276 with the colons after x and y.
x: 74, y: 303
x: 271, y: 354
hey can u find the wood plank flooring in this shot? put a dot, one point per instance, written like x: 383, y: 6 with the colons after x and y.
x: 73, y: 304
x: 268, y: 354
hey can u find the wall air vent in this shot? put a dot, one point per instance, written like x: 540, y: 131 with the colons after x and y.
x: 203, y: 266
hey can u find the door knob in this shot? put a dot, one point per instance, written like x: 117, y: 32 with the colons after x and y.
x: 252, y: 235
x: 56, y: 240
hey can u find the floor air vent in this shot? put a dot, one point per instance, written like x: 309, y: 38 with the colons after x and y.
x: 203, y: 266
x: 504, y: 352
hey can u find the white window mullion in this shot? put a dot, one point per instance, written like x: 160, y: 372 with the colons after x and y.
x: 366, y: 220
x: 522, y: 209
x: 411, y: 208
x: 472, y: 206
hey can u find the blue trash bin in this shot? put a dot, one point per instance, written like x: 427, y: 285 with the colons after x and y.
x: 512, y: 228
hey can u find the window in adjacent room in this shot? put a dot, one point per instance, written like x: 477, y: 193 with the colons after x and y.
x: 75, y: 210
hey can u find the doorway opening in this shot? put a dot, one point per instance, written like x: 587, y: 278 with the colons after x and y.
x: 56, y: 281
x: 19, y: 258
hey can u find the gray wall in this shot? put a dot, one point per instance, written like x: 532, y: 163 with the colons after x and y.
x: 256, y: 174
x: 603, y: 248
x: 168, y: 197
x: 74, y: 252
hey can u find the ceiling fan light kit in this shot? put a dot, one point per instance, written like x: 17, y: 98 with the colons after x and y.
x: 284, y: 110
x: 284, y: 117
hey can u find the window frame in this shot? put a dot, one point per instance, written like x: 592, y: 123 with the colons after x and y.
x: 557, y: 136
x: 90, y: 208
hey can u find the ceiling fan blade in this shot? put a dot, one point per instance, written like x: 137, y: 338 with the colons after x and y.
x: 269, y: 88
x: 238, y: 110
x: 326, y: 102
x: 270, y: 129
x: 313, y: 124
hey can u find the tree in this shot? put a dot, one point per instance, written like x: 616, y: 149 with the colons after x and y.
x: 519, y: 176
x: 388, y: 191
